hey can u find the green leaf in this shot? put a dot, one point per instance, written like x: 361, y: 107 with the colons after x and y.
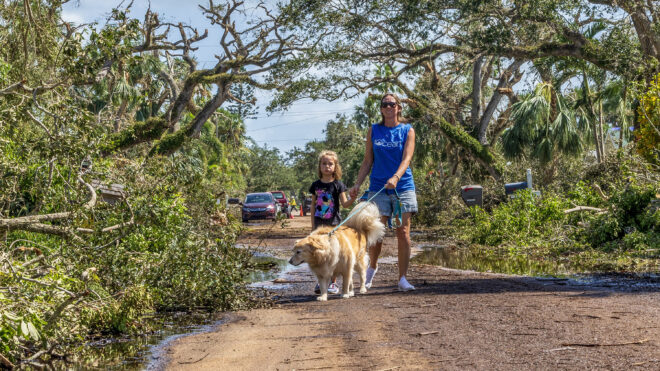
x: 33, y: 331
x: 11, y: 316
x: 24, y: 330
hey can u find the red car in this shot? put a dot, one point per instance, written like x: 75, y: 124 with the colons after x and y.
x: 284, y: 203
x: 259, y: 206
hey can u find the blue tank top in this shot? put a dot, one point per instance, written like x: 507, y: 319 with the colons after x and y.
x: 388, y: 146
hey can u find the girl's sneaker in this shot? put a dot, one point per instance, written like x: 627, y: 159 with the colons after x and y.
x: 370, y: 276
x: 404, y: 285
x: 332, y: 289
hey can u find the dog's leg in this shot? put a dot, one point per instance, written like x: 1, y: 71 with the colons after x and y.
x: 362, y: 271
x: 347, y: 282
x: 323, y: 285
x: 351, y: 287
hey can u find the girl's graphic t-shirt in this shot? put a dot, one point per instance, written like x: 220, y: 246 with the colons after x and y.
x: 326, y: 209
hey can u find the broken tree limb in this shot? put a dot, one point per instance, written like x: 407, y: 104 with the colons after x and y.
x: 583, y: 208
x: 600, y: 192
x: 5, y: 362
x: 604, y: 345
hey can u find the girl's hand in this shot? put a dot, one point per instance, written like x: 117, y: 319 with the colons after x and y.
x: 354, y: 191
x: 392, y: 182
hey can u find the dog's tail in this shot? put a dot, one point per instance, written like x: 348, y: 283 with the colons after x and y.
x: 367, y: 221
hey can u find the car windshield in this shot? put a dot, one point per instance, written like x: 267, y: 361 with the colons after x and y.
x: 252, y: 199
x: 278, y: 195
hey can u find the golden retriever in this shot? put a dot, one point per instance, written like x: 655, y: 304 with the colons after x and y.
x: 338, y: 253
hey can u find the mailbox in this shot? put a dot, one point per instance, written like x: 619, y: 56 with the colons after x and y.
x: 509, y: 188
x: 472, y: 195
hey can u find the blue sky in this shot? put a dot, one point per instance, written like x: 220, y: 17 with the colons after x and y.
x: 303, y: 122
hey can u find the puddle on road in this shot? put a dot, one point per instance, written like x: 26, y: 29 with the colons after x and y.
x: 268, y: 268
x: 148, y: 351
x: 488, y: 261
x: 522, y: 265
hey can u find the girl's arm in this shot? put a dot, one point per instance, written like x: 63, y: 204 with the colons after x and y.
x: 345, y: 201
x: 408, y: 150
x: 312, y: 209
x: 365, y: 168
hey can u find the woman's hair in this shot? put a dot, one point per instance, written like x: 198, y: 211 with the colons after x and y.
x: 333, y: 156
x: 399, y: 118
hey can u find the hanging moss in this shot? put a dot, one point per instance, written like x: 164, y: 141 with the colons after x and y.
x: 171, y: 142
x: 461, y: 138
x: 140, y: 132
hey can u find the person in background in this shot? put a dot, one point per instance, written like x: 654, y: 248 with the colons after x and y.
x: 293, y: 203
x: 328, y: 194
x: 389, y: 149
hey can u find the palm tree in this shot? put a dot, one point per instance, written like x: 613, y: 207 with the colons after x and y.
x: 540, y: 129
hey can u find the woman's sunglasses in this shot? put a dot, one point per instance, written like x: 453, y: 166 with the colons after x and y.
x: 387, y: 104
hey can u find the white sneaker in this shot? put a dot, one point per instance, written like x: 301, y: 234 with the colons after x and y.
x: 333, y: 288
x: 370, y: 276
x: 404, y: 285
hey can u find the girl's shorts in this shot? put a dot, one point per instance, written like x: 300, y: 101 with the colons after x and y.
x: 385, y: 201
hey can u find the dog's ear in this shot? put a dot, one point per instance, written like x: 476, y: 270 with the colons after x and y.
x: 316, y: 242
x: 300, y: 242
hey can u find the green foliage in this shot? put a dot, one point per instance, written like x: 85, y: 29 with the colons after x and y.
x: 524, y: 220
x: 631, y: 223
x: 541, y: 130
x: 648, y: 116
x: 622, y: 236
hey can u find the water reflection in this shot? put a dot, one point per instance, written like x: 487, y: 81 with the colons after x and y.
x: 132, y: 353
x: 267, y: 268
x: 136, y: 353
x: 492, y: 261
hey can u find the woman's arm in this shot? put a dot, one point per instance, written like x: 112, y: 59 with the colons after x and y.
x: 365, y: 168
x: 408, y: 151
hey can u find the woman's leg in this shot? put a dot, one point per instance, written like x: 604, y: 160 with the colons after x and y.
x: 403, y: 239
x: 374, y: 251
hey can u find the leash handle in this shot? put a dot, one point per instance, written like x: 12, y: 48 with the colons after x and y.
x: 396, y: 210
x: 355, y: 210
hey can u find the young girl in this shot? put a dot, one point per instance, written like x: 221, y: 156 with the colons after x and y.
x: 328, y: 193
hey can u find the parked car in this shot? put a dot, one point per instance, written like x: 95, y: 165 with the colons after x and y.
x: 280, y: 197
x: 259, y: 206
x: 307, y: 205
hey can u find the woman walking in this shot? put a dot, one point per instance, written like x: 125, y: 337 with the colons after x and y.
x: 389, y: 149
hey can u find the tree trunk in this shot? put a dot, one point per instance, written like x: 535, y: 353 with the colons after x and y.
x: 599, y: 156
x: 495, y: 101
x: 600, y: 128
x: 476, y: 92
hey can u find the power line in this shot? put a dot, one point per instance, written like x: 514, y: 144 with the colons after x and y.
x: 278, y: 125
x: 284, y: 114
x: 288, y: 140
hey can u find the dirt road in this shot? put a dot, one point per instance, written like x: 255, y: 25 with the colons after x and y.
x: 454, y: 320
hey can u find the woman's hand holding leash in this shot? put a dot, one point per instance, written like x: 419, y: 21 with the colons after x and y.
x: 392, y: 182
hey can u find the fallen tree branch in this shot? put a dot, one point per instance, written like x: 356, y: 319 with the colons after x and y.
x: 20, y: 277
x: 604, y: 345
x: 600, y: 192
x: 33, y: 223
x: 584, y: 208
x: 5, y: 362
